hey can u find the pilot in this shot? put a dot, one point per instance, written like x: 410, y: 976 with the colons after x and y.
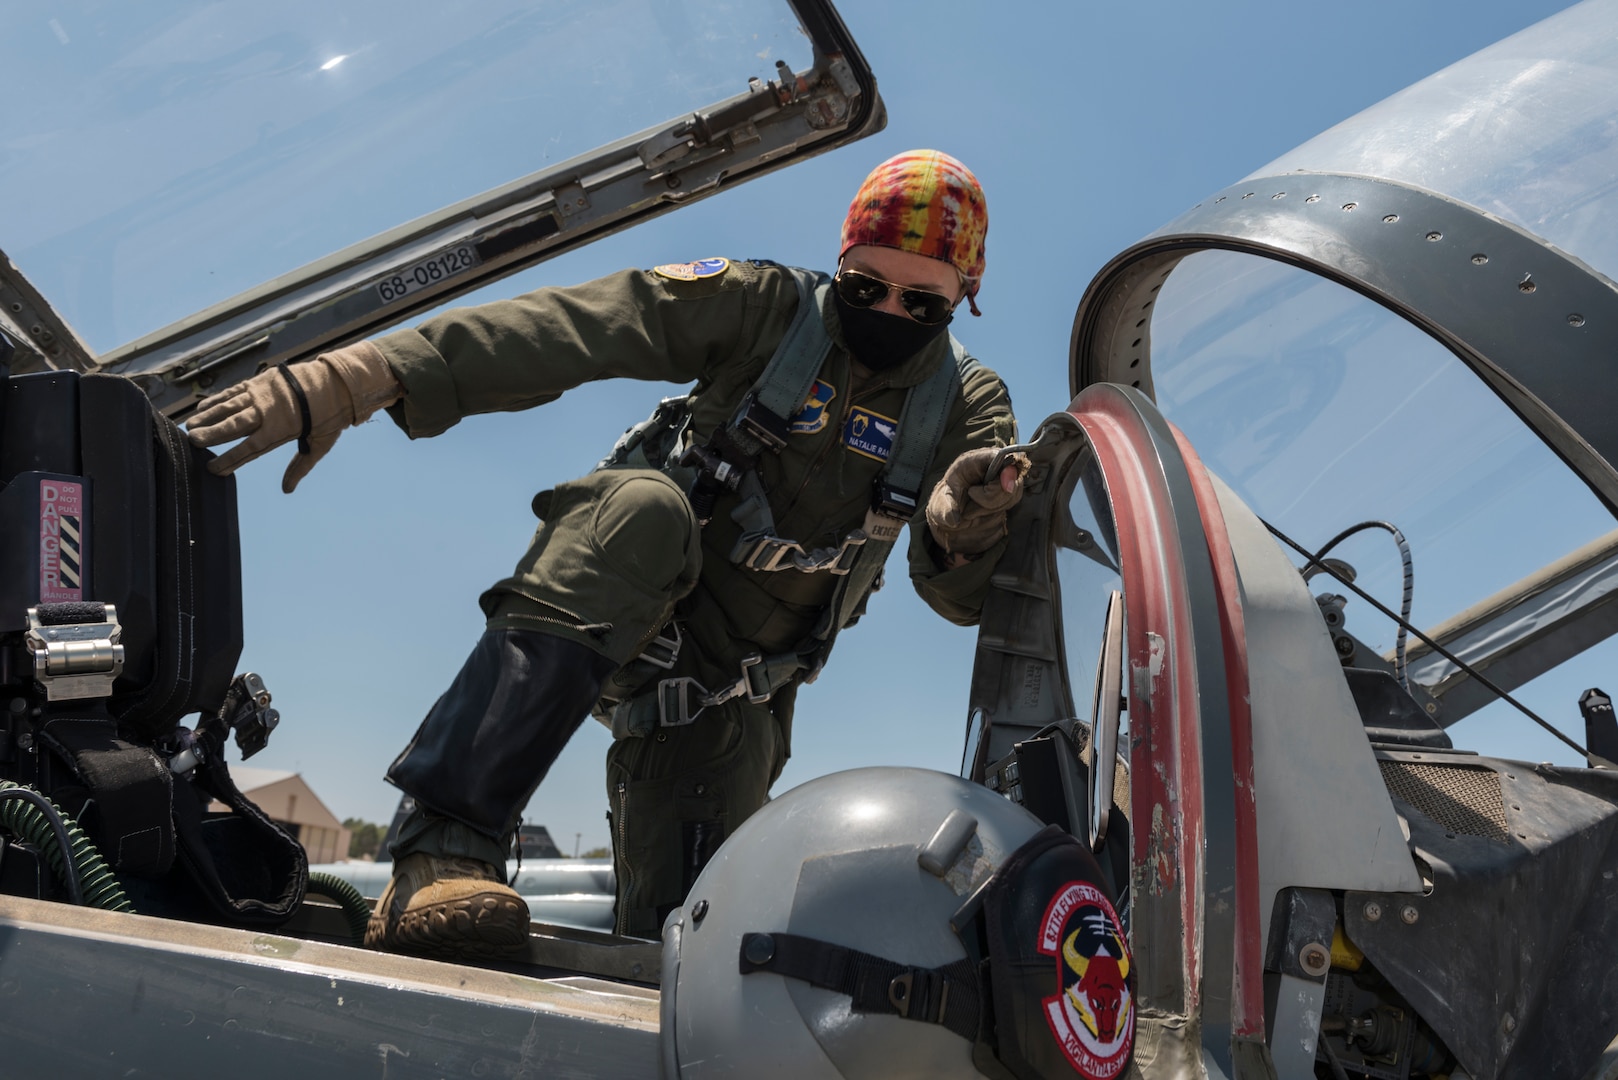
x: 684, y: 590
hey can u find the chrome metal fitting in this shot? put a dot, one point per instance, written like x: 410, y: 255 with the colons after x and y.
x: 76, y: 660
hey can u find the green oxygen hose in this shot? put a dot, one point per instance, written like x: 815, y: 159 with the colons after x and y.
x: 28, y: 821
x: 356, y: 909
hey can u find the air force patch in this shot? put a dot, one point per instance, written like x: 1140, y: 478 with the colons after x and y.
x: 869, y: 433
x: 812, y: 417
x: 692, y: 271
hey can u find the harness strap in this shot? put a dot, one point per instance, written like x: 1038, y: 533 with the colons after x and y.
x: 680, y: 700
x: 761, y: 421
x: 921, y: 426
x: 947, y: 995
x: 922, y: 421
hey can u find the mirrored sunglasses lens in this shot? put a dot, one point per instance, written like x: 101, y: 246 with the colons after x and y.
x: 925, y: 307
x: 859, y: 290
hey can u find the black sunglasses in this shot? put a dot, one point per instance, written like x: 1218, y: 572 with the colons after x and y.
x: 864, y: 291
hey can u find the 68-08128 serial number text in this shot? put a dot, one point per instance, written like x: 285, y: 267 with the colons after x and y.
x: 445, y: 264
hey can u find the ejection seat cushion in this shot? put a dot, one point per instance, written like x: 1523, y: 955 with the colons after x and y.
x: 164, y: 547
x: 155, y: 535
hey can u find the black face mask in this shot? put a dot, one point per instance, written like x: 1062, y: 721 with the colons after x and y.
x: 879, y: 340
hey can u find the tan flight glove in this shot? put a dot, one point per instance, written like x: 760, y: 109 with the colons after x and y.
x: 968, y: 516
x: 341, y: 388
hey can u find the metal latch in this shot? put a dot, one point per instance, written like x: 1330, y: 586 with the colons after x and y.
x: 77, y: 659
x: 247, y: 710
x: 774, y: 553
x: 763, y: 424
x: 893, y: 501
x: 663, y: 650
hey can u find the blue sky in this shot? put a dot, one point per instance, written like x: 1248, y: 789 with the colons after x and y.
x: 1089, y: 126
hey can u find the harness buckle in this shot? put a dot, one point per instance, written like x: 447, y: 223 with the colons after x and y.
x: 682, y: 699
x: 771, y: 553
x: 848, y: 552
x: 765, y: 552
x: 893, y: 501
x: 751, y: 663
x: 674, y: 701
x: 663, y: 650
x: 762, y: 423
x: 74, y: 660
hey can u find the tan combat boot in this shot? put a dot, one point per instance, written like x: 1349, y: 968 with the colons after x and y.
x: 448, y: 909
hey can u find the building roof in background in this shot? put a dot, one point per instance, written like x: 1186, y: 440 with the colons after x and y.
x: 247, y: 778
x: 284, y: 796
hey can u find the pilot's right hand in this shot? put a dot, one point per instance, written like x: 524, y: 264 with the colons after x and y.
x: 967, y: 511
x: 312, y: 401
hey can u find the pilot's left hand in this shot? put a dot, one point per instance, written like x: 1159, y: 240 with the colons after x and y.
x: 966, y: 512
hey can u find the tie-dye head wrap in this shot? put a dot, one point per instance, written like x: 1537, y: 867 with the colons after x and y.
x: 925, y: 202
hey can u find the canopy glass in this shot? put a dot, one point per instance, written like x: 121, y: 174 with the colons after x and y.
x: 1524, y: 130
x: 1086, y: 575
x: 1323, y: 409
x: 173, y: 154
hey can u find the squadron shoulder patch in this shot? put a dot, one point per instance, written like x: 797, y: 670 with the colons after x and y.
x: 812, y: 417
x: 692, y: 271
x: 870, y: 433
x: 1092, y: 1014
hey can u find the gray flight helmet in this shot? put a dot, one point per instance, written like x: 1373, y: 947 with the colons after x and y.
x: 875, y: 860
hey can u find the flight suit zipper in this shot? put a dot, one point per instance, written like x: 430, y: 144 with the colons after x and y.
x: 598, y: 630
x: 621, y: 827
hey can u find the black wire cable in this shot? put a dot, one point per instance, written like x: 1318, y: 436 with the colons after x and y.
x: 1409, y: 580
x: 1336, y: 1063
x: 1429, y: 642
x: 58, y: 829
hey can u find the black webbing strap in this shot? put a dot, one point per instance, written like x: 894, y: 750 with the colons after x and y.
x: 303, y: 406
x: 132, y: 788
x: 71, y: 613
x: 923, y: 419
x: 921, y: 426
x: 791, y: 372
x: 948, y: 995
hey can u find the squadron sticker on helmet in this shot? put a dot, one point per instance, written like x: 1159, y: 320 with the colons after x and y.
x: 1092, y: 1013
x: 692, y: 271
x: 812, y: 417
x: 869, y: 433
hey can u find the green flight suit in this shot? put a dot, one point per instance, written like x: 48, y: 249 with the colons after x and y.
x: 619, y: 551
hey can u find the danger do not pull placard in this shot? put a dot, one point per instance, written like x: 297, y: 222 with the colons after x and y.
x: 61, y: 541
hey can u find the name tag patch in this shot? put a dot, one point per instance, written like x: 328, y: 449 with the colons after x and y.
x: 870, y: 433
x: 813, y: 417
x: 692, y: 271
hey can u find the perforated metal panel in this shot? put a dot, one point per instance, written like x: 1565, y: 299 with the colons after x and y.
x: 1462, y: 798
